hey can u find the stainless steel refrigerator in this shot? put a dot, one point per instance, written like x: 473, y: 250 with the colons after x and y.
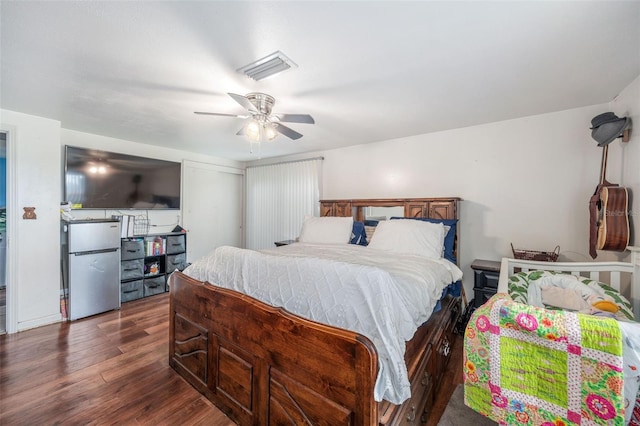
x: 91, y: 266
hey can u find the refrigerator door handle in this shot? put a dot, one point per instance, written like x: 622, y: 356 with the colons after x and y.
x: 86, y: 253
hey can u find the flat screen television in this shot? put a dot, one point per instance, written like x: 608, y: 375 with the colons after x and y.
x: 107, y: 180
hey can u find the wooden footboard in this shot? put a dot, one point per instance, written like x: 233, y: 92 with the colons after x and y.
x: 264, y: 365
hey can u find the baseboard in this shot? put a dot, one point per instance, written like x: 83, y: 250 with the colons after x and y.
x: 39, y: 322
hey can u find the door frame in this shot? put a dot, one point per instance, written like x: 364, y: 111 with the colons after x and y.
x: 11, y: 229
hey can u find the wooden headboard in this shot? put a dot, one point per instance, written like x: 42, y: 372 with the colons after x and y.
x: 432, y: 208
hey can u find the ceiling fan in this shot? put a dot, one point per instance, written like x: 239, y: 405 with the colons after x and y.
x: 264, y: 125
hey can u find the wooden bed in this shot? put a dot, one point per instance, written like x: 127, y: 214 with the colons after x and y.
x: 263, y: 365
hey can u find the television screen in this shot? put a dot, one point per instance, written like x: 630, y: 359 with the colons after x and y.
x: 107, y: 180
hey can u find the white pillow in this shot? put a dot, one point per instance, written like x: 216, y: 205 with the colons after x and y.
x: 326, y: 230
x: 409, y: 237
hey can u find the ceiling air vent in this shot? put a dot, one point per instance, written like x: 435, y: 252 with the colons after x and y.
x: 267, y: 66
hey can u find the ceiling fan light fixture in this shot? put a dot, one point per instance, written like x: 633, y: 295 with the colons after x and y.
x: 263, y: 126
x: 270, y: 132
x: 253, y: 131
x: 258, y: 131
x: 268, y: 66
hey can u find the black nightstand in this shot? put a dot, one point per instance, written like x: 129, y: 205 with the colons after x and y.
x: 284, y: 243
x: 485, y: 280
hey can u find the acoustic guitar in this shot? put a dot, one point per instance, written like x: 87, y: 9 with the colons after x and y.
x: 609, y: 207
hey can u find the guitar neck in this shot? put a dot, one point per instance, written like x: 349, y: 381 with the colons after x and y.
x: 603, y: 165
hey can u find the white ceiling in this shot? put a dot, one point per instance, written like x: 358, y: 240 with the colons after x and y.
x: 368, y: 71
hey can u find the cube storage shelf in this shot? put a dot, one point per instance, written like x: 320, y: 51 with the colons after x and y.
x: 146, y: 262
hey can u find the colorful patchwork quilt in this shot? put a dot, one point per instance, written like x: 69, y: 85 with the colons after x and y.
x: 525, y: 365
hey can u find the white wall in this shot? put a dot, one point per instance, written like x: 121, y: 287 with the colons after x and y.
x: 34, y: 290
x: 526, y: 181
x: 627, y: 104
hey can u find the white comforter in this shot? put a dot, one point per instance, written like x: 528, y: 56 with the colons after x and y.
x: 382, y: 295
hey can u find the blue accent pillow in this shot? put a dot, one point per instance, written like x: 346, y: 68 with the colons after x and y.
x: 449, y: 238
x: 359, y: 235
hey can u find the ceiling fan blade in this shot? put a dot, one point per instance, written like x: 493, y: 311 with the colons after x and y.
x: 288, y: 132
x: 246, y: 104
x: 242, y: 131
x: 295, y: 118
x: 220, y: 114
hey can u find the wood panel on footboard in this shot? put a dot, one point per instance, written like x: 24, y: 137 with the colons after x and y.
x: 265, y: 366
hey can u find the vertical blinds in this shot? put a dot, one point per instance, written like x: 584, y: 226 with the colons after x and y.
x: 278, y: 198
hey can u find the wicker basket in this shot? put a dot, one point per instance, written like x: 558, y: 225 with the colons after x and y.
x: 545, y: 256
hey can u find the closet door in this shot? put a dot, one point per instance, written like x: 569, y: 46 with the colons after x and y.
x: 213, y: 207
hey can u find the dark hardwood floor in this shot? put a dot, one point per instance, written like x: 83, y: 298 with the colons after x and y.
x: 113, y: 369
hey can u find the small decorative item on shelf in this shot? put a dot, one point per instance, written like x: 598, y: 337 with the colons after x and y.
x: 152, y: 269
x: 545, y: 256
x: 157, y: 246
x: 179, y: 228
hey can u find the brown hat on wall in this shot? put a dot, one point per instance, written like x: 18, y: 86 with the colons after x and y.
x: 606, y: 127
